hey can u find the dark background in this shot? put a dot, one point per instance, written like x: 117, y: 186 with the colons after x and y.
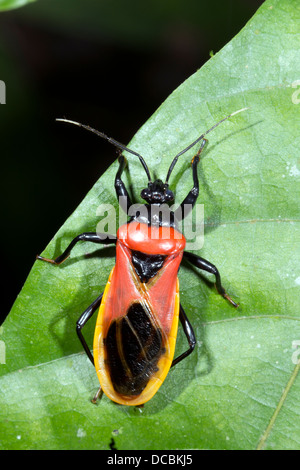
x: 107, y: 64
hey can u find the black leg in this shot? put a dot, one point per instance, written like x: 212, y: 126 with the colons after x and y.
x: 202, y: 263
x: 120, y: 188
x: 104, y: 239
x: 188, y: 203
x: 189, y: 333
x: 87, y: 314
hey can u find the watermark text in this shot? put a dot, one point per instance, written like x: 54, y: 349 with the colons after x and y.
x: 296, y: 94
x: 2, y: 352
x: 296, y: 354
x: 186, y: 220
x: 2, y: 92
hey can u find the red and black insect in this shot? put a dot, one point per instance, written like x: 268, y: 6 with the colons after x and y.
x: 136, y: 329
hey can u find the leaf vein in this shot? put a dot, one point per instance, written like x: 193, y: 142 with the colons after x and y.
x: 269, y: 428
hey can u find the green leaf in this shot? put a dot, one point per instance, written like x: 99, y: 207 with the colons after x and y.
x: 11, y: 4
x: 240, y: 389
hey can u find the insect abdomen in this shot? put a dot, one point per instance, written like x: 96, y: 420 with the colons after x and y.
x: 134, y: 345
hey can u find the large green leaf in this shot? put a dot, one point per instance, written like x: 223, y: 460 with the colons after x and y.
x: 240, y: 389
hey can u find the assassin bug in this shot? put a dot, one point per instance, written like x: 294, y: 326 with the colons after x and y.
x: 136, y: 328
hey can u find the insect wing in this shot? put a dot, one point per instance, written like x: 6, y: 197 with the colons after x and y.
x: 136, y: 329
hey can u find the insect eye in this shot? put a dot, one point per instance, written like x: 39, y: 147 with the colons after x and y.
x: 145, y: 193
x: 169, y: 195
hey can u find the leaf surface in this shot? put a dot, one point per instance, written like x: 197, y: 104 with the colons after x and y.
x: 11, y: 4
x: 240, y: 389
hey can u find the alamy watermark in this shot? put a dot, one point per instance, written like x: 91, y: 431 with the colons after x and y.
x: 296, y: 354
x: 189, y: 221
x: 296, y: 94
x: 2, y: 92
x: 2, y: 352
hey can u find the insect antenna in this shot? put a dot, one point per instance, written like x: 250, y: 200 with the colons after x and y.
x: 198, y: 140
x: 111, y: 141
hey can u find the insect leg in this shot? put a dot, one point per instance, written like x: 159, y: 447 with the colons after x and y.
x: 202, y: 263
x: 86, y: 315
x: 188, y: 203
x: 189, y: 333
x: 86, y: 237
x: 121, y: 191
